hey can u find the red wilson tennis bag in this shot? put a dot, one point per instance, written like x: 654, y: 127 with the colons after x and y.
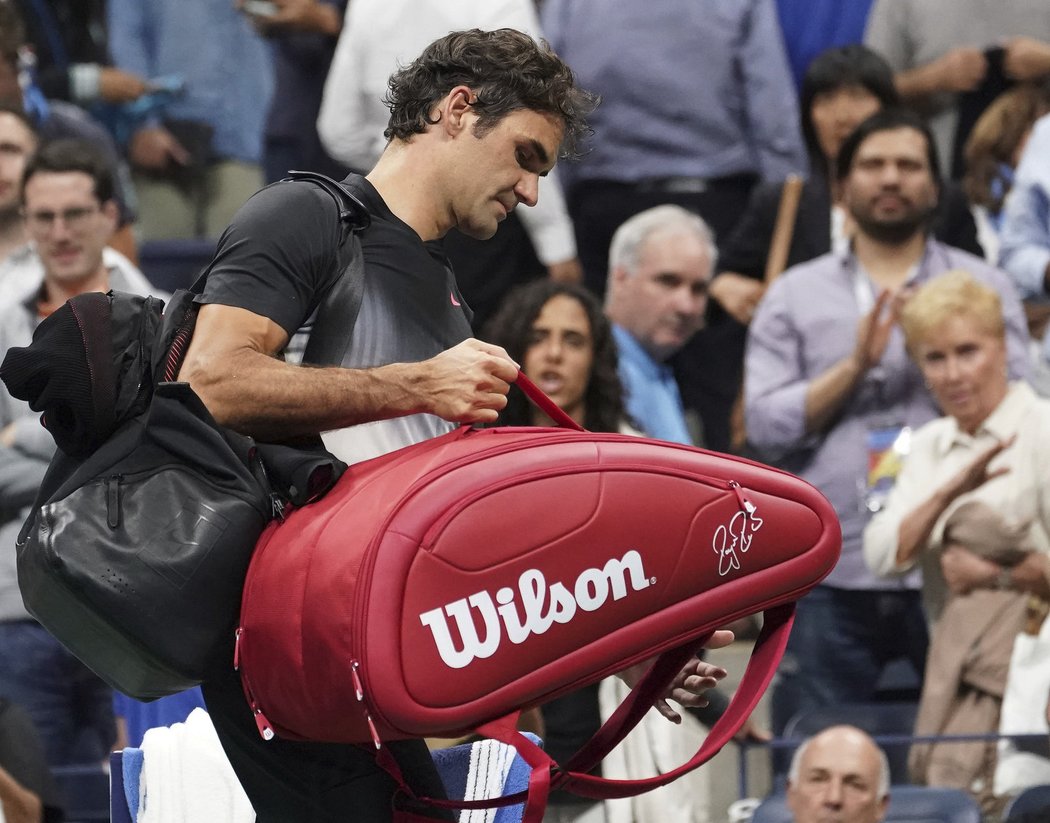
x: 440, y: 588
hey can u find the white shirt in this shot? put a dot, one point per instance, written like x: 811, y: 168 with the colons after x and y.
x: 21, y: 274
x: 940, y: 451
x: 379, y: 36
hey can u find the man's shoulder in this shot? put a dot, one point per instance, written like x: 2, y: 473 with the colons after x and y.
x: 956, y: 258
x: 809, y: 274
x: 126, y: 276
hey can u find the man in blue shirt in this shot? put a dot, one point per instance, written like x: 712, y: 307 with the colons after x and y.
x: 660, y: 263
x: 698, y: 105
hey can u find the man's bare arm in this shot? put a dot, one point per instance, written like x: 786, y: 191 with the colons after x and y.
x: 231, y: 364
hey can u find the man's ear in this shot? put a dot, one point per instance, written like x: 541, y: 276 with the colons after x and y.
x: 617, y: 277
x: 112, y: 215
x: 456, y: 111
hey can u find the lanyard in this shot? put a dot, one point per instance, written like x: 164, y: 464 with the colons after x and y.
x: 864, y: 289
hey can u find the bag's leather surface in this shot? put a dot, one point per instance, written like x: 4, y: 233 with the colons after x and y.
x: 155, y: 533
x: 455, y: 581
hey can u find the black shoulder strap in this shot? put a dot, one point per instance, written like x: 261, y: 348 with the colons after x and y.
x: 336, y: 315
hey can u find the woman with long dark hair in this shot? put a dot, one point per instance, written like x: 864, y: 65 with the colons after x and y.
x: 564, y: 343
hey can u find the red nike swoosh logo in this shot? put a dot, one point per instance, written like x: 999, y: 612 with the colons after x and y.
x: 452, y: 295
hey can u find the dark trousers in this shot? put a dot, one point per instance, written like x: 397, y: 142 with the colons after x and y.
x: 840, y: 643
x: 707, y: 369
x: 293, y: 782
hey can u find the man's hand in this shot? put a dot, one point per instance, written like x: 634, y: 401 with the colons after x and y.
x: 737, y: 294
x: 467, y: 383
x: 961, y: 69
x: 965, y: 571
x: 1032, y: 575
x: 155, y: 148
x: 689, y: 685
x: 873, y: 332
x: 753, y: 732
x: 1026, y: 59
x: 298, y: 15
x: 119, y: 86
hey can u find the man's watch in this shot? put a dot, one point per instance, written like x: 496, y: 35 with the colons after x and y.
x: 1004, y: 582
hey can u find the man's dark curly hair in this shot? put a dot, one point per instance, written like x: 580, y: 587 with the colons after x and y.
x: 511, y: 328
x: 507, y: 71
x: 72, y: 154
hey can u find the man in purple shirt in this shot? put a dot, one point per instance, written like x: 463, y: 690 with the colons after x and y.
x: 831, y: 395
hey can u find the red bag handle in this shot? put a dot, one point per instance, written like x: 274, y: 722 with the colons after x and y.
x: 547, y: 774
x: 545, y: 404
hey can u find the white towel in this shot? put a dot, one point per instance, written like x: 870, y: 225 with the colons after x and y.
x: 655, y: 746
x: 186, y: 777
x: 489, y: 763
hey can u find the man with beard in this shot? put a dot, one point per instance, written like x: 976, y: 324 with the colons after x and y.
x: 830, y: 395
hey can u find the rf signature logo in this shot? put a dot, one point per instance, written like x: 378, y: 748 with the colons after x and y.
x: 732, y: 540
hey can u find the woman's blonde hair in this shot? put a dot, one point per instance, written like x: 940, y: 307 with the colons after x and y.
x: 952, y: 294
x: 994, y: 140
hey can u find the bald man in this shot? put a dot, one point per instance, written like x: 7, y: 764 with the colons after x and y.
x: 839, y: 775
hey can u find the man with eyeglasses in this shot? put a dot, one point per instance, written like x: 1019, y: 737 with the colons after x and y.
x: 69, y: 215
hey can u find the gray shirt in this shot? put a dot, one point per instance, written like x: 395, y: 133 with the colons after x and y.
x: 806, y: 323
x: 690, y: 88
x: 912, y: 33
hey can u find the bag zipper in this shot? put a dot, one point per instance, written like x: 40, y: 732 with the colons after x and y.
x: 113, y: 500
x: 264, y: 726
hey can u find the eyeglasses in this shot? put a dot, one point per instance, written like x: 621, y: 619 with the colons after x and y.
x: 74, y: 219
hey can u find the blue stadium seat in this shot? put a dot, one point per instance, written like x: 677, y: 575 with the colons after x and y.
x: 1033, y: 801
x: 174, y: 264
x: 85, y: 792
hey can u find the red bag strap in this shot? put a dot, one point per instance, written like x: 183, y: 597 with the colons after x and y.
x: 545, y: 404
x: 769, y: 648
x: 547, y: 774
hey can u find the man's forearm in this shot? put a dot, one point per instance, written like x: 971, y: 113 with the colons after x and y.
x: 918, y: 83
x: 828, y: 392
x: 267, y: 398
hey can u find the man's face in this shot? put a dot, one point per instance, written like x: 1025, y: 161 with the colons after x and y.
x: 662, y: 302
x: 16, y: 144
x: 68, y: 224
x: 491, y: 174
x: 890, y: 189
x: 838, y: 780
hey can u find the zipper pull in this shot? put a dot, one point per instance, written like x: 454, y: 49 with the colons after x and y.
x: 746, y: 506
x: 261, y: 723
x: 237, y: 649
x: 113, y: 500
x: 277, y: 506
x: 359, y: 693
